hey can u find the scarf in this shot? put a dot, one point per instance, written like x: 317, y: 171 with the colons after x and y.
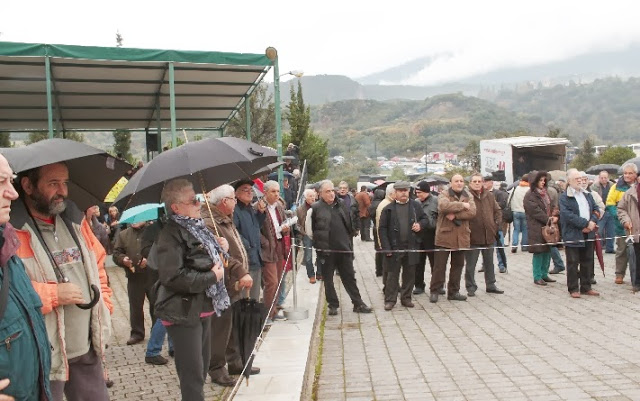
x: 545, y: 198
x: 196, y: 227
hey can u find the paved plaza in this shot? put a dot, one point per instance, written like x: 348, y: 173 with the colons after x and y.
x: 532, y: 343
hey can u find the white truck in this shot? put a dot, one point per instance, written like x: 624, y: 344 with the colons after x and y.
x: 521, y: 154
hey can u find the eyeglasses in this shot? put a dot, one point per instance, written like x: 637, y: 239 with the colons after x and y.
x: 245, y: 190
x: 476, y: 182
x: 232, y: 199
x: 192, y: 202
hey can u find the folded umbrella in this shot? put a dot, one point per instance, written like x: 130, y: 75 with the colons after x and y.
x: 209, y: 163
x: 249, y: 316
x: 631, y: 255
x: 598, y: 249
x: 92, y: 171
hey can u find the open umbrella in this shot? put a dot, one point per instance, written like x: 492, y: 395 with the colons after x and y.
x: 136, y: 214
x: 598, y: 249
x: 609, y: 168
x: 249, y: 316
x: 635, y: 160
x: 209, y: 163
x: 92, y: 171
x: 274, y: 175
x: 434, y: 179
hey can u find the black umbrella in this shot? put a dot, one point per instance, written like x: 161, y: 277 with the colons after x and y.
x: 631, y: 255
x: 249, y: 316
x: 434, y: 179
x: 609, y: 168
x: 211, y: 162
x: 92, y: 171
x: 286, y: 174
x: 635, y: 160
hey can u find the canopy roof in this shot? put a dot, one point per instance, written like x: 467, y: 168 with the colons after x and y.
x: 109, y: 87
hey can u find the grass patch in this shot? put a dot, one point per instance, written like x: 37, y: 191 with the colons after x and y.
x: 318, y: 367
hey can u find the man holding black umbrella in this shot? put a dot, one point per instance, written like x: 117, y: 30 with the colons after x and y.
x: 219, y: 219
x: 65, y: 262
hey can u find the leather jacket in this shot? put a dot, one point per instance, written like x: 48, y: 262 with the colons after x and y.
x: 184, y: 268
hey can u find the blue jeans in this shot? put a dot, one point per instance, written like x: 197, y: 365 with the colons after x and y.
x: 308, y: 256
x: 607, y: 230
x: 520, y: 226
x: 558, y: 263
x: 501, y: 261
x: 283, y: 289
x: 156, y: 339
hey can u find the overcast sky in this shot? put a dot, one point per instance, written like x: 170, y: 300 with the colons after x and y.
x: 345, y: 37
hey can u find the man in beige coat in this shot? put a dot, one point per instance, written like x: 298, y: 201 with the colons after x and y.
x: 629, y: 216
x: 455, y: 208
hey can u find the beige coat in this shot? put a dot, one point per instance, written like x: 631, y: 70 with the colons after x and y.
x: 628, y: 211
x: 448, y: 234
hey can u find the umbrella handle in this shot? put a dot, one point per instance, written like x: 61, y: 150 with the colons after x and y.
x: 94, y: 300
x: 255, y: 152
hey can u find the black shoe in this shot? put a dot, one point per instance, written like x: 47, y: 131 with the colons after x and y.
x: 108, y: 383
x: 234, y: 371
x: 494, y: 290
x: 456, y: 297
x: 172, y: 353
x: 388, y: 306
x: 593, y: 281
x: 441, y: 291
x: 433, y: 298
x: 503, y: 270
x: 333, y: 311
x: 418, y: 291
x: 548, y: 279
x: 555, y: 271
x: 539, y: 282
x: 156, y: 360
x: 471, y: 293
x: 362, y: 309
x: 134, y: 340
x: 222, y: 378
x: 481, y: 270
x: 514, y: 249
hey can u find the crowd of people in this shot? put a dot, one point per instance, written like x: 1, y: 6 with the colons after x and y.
x: 199, y: 258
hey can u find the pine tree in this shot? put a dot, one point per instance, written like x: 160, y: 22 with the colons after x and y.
x: 122, y: 143
x: 263, y: 122
x: 5, y: 140
x: 119, y: 39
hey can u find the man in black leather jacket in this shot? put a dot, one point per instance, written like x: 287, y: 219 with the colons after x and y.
x: 333, y: 231
x: 186, y: 272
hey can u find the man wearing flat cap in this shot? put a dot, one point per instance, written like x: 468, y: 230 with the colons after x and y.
x: 429, y: 203
x: 400, y: 224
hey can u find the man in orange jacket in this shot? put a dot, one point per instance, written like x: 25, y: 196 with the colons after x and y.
x: 364, y: 201
x: 65, y: 263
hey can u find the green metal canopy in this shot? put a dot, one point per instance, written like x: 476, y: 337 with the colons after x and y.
x: 63, y: 87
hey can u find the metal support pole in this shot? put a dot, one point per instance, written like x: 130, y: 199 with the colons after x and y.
x: 247, y: 111
x: 159, y: 126
x: 47, y: 68
x: 172, y: 106
x: 276, y: 91
x: 295, y: 313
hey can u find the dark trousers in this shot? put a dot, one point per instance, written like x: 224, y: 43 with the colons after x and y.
x: 394, y: 263
x: 365, y: 228
x: 192, y: 347
x: 379, y: 257
x: 440, y: 270
x: 223, y: 347
x: 487, y: 264
x: 582, y: 259
x: 86, y: 380
x: 421, y: 268
x: 343, y: 262
x: 138, y: 286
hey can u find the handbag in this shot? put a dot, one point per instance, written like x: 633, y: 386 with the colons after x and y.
x: 551, y: 232
x: 507, y: 213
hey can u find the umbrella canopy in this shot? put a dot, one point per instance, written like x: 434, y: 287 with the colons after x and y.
x: 92, y: 171
x: 286, y: 174
x: 609, y: 168
x: 140, y: 213
x: 215, y: 161
x: 558, y: 175
x: 635, y: 160
x: 434, y: 179
x: 248, y: 320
